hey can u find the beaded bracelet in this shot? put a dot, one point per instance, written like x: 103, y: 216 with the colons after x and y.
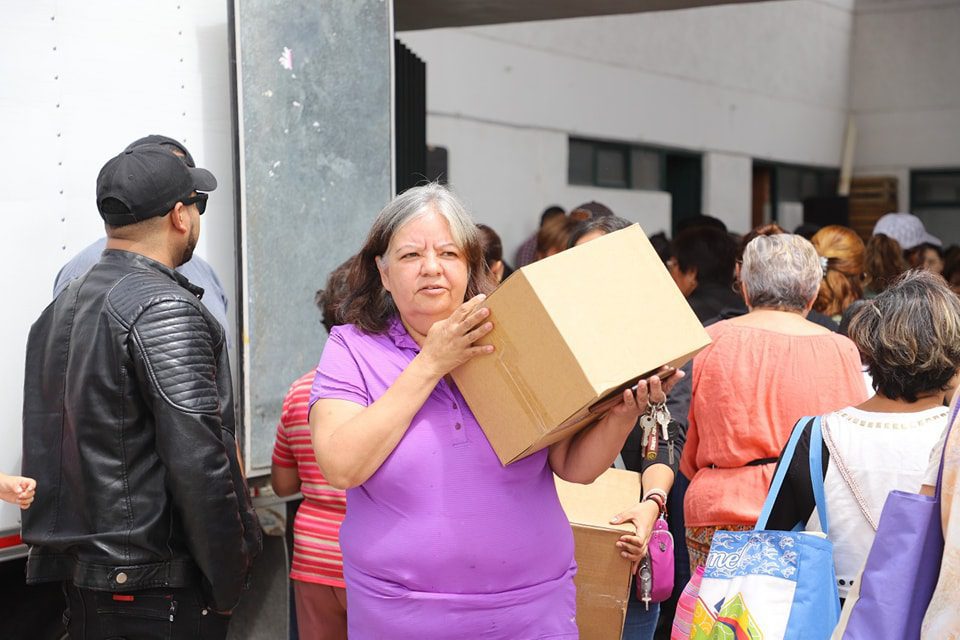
x: 655, y: 492
x: 658, y: 497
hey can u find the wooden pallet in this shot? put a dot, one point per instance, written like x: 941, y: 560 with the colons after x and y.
x: 870, y: 198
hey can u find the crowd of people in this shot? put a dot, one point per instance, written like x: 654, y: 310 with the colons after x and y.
x: 786, y: 342
x: 410, y: 526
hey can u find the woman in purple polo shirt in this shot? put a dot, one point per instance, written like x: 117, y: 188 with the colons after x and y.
x: 440, y: 540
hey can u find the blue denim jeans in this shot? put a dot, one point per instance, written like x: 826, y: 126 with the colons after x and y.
x: 641, y: 622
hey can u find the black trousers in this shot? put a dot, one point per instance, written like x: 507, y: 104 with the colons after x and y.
x: 151, y: 614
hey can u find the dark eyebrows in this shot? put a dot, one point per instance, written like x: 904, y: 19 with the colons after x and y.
x: 419, y: 247
x: 407, y: 247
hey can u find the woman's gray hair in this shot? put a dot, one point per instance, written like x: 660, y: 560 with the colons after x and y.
x: 419, y: 201
x: 780, y: 271
x: 367, y: 304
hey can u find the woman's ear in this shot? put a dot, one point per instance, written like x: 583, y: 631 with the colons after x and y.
x: 384, y: 274
x: 811, y: 302
x: 743, y: 294
x: 497, y: 270
x: 686, y: 280
x: 952, y: 388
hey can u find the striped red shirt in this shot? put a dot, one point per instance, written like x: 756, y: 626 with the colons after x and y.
x: 316, y: 529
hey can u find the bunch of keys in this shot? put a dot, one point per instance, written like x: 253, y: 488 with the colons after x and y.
x: 645, y: 582
x: 656, y: 419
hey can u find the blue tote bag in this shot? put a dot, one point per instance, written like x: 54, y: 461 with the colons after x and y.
x: 772, y: 584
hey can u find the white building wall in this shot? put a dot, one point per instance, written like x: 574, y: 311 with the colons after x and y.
x: 905, y: 87
x: 521, y: 171
x: 765, y: 80
x: 727, y: 193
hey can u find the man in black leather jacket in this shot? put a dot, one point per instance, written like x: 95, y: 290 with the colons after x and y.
x: 142, y: 510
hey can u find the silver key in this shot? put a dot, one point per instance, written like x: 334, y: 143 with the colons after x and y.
x: 663, y: 414
x: 648, y: 422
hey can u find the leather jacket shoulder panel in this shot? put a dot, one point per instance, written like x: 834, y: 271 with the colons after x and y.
x: 136, y: 291
x: 174, y: 342
x: 178, y: 341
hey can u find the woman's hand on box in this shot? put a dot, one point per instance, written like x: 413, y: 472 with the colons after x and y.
x: 653, y: 390
x: 643, y: 516
x: 449, y: 343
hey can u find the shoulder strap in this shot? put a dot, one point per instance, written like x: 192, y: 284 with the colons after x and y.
x: 848, y: 478
x: 816, y: 473
x: 781, y: 473
x: 946, y: 441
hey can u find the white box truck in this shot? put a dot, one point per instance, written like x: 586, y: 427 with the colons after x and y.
x: 288, y: 104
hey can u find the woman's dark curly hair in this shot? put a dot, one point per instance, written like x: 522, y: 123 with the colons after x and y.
x: 330, y: 298
x: 883, y: 262
x: 909, y: 336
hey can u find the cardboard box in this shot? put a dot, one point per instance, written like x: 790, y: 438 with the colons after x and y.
x: 603, y: 575
x: 572, y: 330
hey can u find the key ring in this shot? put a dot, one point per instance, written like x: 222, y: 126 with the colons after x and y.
x: 654, y: 407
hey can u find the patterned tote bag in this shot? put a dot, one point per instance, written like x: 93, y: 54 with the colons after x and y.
x: 772, y: 584
x: 683, y: 619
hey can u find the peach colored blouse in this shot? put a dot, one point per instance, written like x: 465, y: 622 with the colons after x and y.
x: 750, y: 386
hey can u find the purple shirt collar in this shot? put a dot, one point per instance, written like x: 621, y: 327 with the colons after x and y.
x: 398, y: 333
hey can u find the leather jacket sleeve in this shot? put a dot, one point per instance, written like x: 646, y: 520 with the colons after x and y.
x: 253, y: 534
x: 174, y: 355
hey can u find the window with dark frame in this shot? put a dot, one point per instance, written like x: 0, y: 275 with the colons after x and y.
x: 935, y: 189
x: 796, y: 183
x: 599, y: 163
x: 793, y: 183
x: 935, y: 199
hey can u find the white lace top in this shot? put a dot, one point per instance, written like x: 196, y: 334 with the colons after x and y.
x: 883, y: 452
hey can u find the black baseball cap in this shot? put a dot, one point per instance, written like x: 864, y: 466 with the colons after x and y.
x: 165, y: 141
x: 146, y: 181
